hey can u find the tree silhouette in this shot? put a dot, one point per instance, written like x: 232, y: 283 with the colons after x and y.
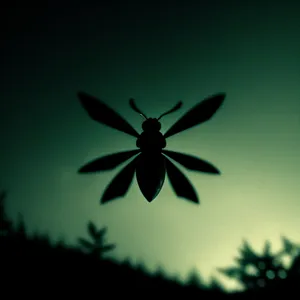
x: 96, y: 246
x: 289, y: 247
x: 194, y: 280
x: 159, y: 273
x: 255, y: 271
x: 294, y: 271
x: 216, y: 285
x: 5, y: 223
x: 140, y: 267
x: 41, y: 240
x: 19, y: 233
x: 293, y: 251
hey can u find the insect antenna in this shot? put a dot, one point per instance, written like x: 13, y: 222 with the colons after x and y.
x: 134, y: 107
x: 176, y: 107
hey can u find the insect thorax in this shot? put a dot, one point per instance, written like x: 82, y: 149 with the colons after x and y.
x: 151, y: 139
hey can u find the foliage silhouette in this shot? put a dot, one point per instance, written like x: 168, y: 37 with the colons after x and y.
x: 151, y: 162
x: 20, y: 231
x: 194, y: 280
x: 215, y: 285
x: 266, y: 271
x: 36, y: 262
x: 97, y: 247
x: 5, y: 223
x: 66, y: 267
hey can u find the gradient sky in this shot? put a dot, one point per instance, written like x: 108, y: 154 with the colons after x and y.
x: 157, y: 54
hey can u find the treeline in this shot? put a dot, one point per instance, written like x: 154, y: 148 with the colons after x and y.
x: 34, y: 263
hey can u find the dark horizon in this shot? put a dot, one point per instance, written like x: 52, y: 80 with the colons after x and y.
x: 258, y: 274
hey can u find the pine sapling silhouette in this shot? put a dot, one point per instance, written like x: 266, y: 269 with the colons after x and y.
x: 97, y: 246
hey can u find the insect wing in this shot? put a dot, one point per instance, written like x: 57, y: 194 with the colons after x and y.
x: 150, y: 174
x: 200, y: 113
x: 191, y: 162
x: 120, y: 184
x: 179, y: 182
x: 100, y: 112
x: 107, y: 162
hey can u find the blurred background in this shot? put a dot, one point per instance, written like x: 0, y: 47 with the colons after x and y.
x: 158, y: 53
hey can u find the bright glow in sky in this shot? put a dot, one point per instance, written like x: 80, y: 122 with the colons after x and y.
x: 157, y: 55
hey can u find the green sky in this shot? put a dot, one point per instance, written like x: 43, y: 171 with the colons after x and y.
x: 158, y: 54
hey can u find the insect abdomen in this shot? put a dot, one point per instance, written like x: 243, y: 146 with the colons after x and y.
x: 150, y: 173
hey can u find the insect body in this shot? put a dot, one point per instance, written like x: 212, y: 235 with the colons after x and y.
x: 151, y: 162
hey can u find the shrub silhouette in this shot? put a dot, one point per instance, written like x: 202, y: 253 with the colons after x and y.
x: 256, y: 271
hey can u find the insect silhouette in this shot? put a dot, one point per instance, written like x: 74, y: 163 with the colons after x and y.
x: 152, y: 162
